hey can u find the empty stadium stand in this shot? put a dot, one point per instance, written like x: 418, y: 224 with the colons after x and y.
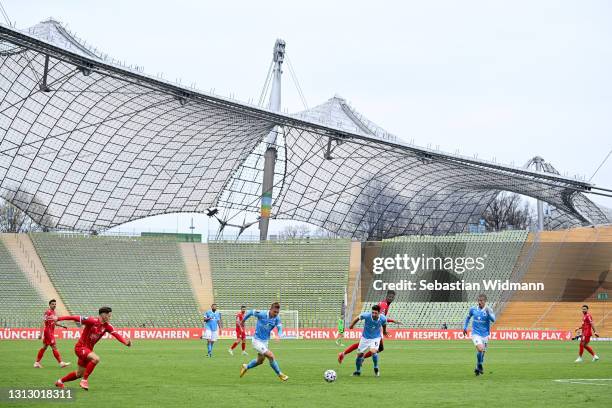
x: 20, y: 303
x: 309, y: 276
x: 575, y: 265
x: 422, y: 309
x: 143, y: 279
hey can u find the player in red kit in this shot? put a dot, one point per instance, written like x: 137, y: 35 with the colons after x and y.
x: 240, y: 332
x: 48, y: 336
x: 384, y: 309
x: 94, y: 329
x: 586, y: 330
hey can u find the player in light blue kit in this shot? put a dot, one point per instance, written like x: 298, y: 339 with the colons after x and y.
x: 370, y: 337
x: 481, y: 328
x: 266, y: 322
x: 212, y: 323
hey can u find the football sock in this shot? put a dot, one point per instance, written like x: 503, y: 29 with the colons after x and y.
x: 243, y: 345
x: 479, y: 357
x: 252, y: 363
x: 56, y: 354
x: 375, y: 360
x: 359, y: 362
x: 39, y: 357
x: 368, y: 354
x: 275, y: 367
x: 209, y: 347
x: 590, y: 350
x: 69, y: 377
x: 581, y: 350
x: 234, y: 345
x: 90, y: 367
x: 351, y: 348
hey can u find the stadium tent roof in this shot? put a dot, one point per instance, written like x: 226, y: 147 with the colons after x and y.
x: 86, y: 144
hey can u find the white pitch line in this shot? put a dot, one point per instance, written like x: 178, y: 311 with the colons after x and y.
x: 585, y: 381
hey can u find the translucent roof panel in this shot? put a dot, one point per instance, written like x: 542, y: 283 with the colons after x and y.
x: 88, y: 145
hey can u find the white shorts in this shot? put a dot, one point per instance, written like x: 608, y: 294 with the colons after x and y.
x: 484, y: 340
x: 211, y: 335
x: 366, y: 344
x: 261, y: 346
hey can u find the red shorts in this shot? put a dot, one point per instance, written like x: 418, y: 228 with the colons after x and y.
x: 48, y: 339
x: 240, y: 334
x: 82, y: 352
x: 586, y: 339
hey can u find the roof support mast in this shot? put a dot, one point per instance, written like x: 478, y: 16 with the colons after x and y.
x: 540, y: 204
x: 270, y: 154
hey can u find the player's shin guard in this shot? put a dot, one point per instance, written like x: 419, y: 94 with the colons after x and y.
x: 359, y: 362
x: 351, y: 348
x: 40, y: 355
x: 69, y: 377
x: 375, y: 360
x: 57, y: 356
x: 90, y: 367
x: 252, y: 363
x: 590, y: 350
x: 275, y: 367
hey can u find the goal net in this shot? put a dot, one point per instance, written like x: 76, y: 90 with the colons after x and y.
x: 289, y: 320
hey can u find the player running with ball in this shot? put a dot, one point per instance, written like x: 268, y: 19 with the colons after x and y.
x: 384, y: 305
x: 94, y: 329
x: 481, y: 328
x: 266, y: 322
x: 370, y: 337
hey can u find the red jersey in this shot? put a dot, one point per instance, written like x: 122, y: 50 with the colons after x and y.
x: 587, y: 325
x: 93, y: 331
x: 384, y: 309
x: 49, y: 322
x: 240, y: 321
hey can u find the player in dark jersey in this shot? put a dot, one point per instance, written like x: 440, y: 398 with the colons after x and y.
x: 48, y: 336
x: 586, y: 331
x: 94, y: 329
x: 384, y: 310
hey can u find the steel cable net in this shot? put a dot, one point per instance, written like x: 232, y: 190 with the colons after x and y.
x: 88, y: 145
x: 97, y: 151
x: 375, y: 192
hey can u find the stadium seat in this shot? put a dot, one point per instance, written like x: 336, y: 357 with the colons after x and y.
x: 20, y: 303
x: 309, y: 276
x: 143, y: 279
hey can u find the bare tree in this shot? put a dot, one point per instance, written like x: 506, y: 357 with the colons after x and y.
x: 377, y: 203
x: 12, y: 219
x: 508, y: 210
x: 294, y: 231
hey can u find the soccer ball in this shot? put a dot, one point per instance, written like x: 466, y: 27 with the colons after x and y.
x: 330, y: 376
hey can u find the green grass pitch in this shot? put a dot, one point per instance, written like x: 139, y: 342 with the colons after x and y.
x: 177, y: 374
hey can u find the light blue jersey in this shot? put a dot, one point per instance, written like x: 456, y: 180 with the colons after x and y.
x: 481, y: 326
x: 265, y: 324
x: 213, y: 323
x: 371, y: 327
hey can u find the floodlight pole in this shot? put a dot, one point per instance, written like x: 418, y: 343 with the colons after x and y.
x: 270, y: 154
x: 540, y: 205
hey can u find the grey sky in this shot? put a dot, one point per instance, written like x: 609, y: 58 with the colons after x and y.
x: 502, y: 79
